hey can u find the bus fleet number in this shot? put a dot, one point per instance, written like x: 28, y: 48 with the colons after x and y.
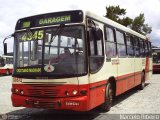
x: 37, y: 35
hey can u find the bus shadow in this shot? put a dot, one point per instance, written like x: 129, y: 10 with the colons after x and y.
x: 127, y: 94
x: 48, y: 114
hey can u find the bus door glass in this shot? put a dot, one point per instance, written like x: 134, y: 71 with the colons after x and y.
x: 95, y: 38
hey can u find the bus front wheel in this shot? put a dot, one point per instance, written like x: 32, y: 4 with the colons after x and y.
x: 105, y: 107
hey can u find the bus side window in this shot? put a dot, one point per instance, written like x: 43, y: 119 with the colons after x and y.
x: 129, y: 44
x: 142, y: 52
x: 121, y: 47
x: 146, y: 48
x: 96, y: 49
x: 150, y: 49
x: 136, y: 47
x: 110, y: 42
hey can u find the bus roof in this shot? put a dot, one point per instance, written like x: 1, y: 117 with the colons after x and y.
x: 114, y: 24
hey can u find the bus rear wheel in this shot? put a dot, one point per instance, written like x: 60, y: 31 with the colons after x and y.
x: 105, y: 107
x: 142, y: 85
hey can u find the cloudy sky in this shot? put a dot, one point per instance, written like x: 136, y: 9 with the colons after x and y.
x: 12, y: 10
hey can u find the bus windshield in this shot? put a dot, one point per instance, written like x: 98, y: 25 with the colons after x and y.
x: 52, y: 51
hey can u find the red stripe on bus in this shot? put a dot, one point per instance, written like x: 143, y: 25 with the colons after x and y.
x: 94, y: 97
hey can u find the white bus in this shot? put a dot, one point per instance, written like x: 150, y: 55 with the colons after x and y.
x: 6, y: 65
x: 104, y: 59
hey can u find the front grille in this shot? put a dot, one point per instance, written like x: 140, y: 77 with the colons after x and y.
x: 43, y: 91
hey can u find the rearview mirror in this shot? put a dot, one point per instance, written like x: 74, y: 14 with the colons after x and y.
x: 5, y: 48
x: 5, y: 44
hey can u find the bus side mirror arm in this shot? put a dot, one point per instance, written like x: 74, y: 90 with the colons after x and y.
x: 5, y: 44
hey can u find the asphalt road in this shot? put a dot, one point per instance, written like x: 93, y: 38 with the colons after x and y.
x: 134, y: 104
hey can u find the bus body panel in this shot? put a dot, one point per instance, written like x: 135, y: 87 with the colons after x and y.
x: 137, y: 70
x: 72, y: 103
x: 54, y: 92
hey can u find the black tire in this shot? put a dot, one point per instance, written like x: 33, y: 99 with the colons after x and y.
x: 142, y: 85
x: 105, y: 107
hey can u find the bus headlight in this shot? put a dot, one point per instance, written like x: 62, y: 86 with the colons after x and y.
x: 16, y: 90
x: 66, y: 93
x: 83, y: 92
x: 22, y: 92
x: 74, y: 92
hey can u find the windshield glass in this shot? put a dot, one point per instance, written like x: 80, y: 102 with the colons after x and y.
x: 29, y: 48
x: 53, y: 51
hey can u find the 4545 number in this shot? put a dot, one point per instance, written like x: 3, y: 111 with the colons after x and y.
x: 36, y: 35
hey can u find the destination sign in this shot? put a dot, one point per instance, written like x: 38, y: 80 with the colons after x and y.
x: 53, y: 20
x: 75, y: 16
x: 28, y: 70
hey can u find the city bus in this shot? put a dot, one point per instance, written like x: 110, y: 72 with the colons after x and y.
x: 76, y: 60
x: 156, y: 59
x: 6, y: 65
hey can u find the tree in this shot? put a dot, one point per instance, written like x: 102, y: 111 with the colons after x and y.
x: 126, y: 21
x: 117, y: 14
x: 114, y: 12
x: 139, y: 25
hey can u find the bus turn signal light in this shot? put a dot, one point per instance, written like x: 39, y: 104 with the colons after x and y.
x: 83, y: 92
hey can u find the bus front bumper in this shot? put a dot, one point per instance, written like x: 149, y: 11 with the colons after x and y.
x: 69, y: 103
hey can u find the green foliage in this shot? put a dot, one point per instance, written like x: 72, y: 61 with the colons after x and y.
x: 126, y: 21
x: 139, y: 26
x: 117, y: 14
x: 114, y: 12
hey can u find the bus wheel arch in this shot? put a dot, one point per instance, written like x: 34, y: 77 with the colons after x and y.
x: 112, y: 80
x: 109, y: 95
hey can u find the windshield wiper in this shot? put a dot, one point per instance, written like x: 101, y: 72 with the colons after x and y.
x: 29, y: 32
x: 54, y: 36
x: 56, y: 33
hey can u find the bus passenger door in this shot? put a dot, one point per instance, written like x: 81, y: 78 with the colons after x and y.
x: 97, y: 80
x: 137, y: 62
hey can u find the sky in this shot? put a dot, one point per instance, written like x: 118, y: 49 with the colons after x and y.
x: 12, y: 10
